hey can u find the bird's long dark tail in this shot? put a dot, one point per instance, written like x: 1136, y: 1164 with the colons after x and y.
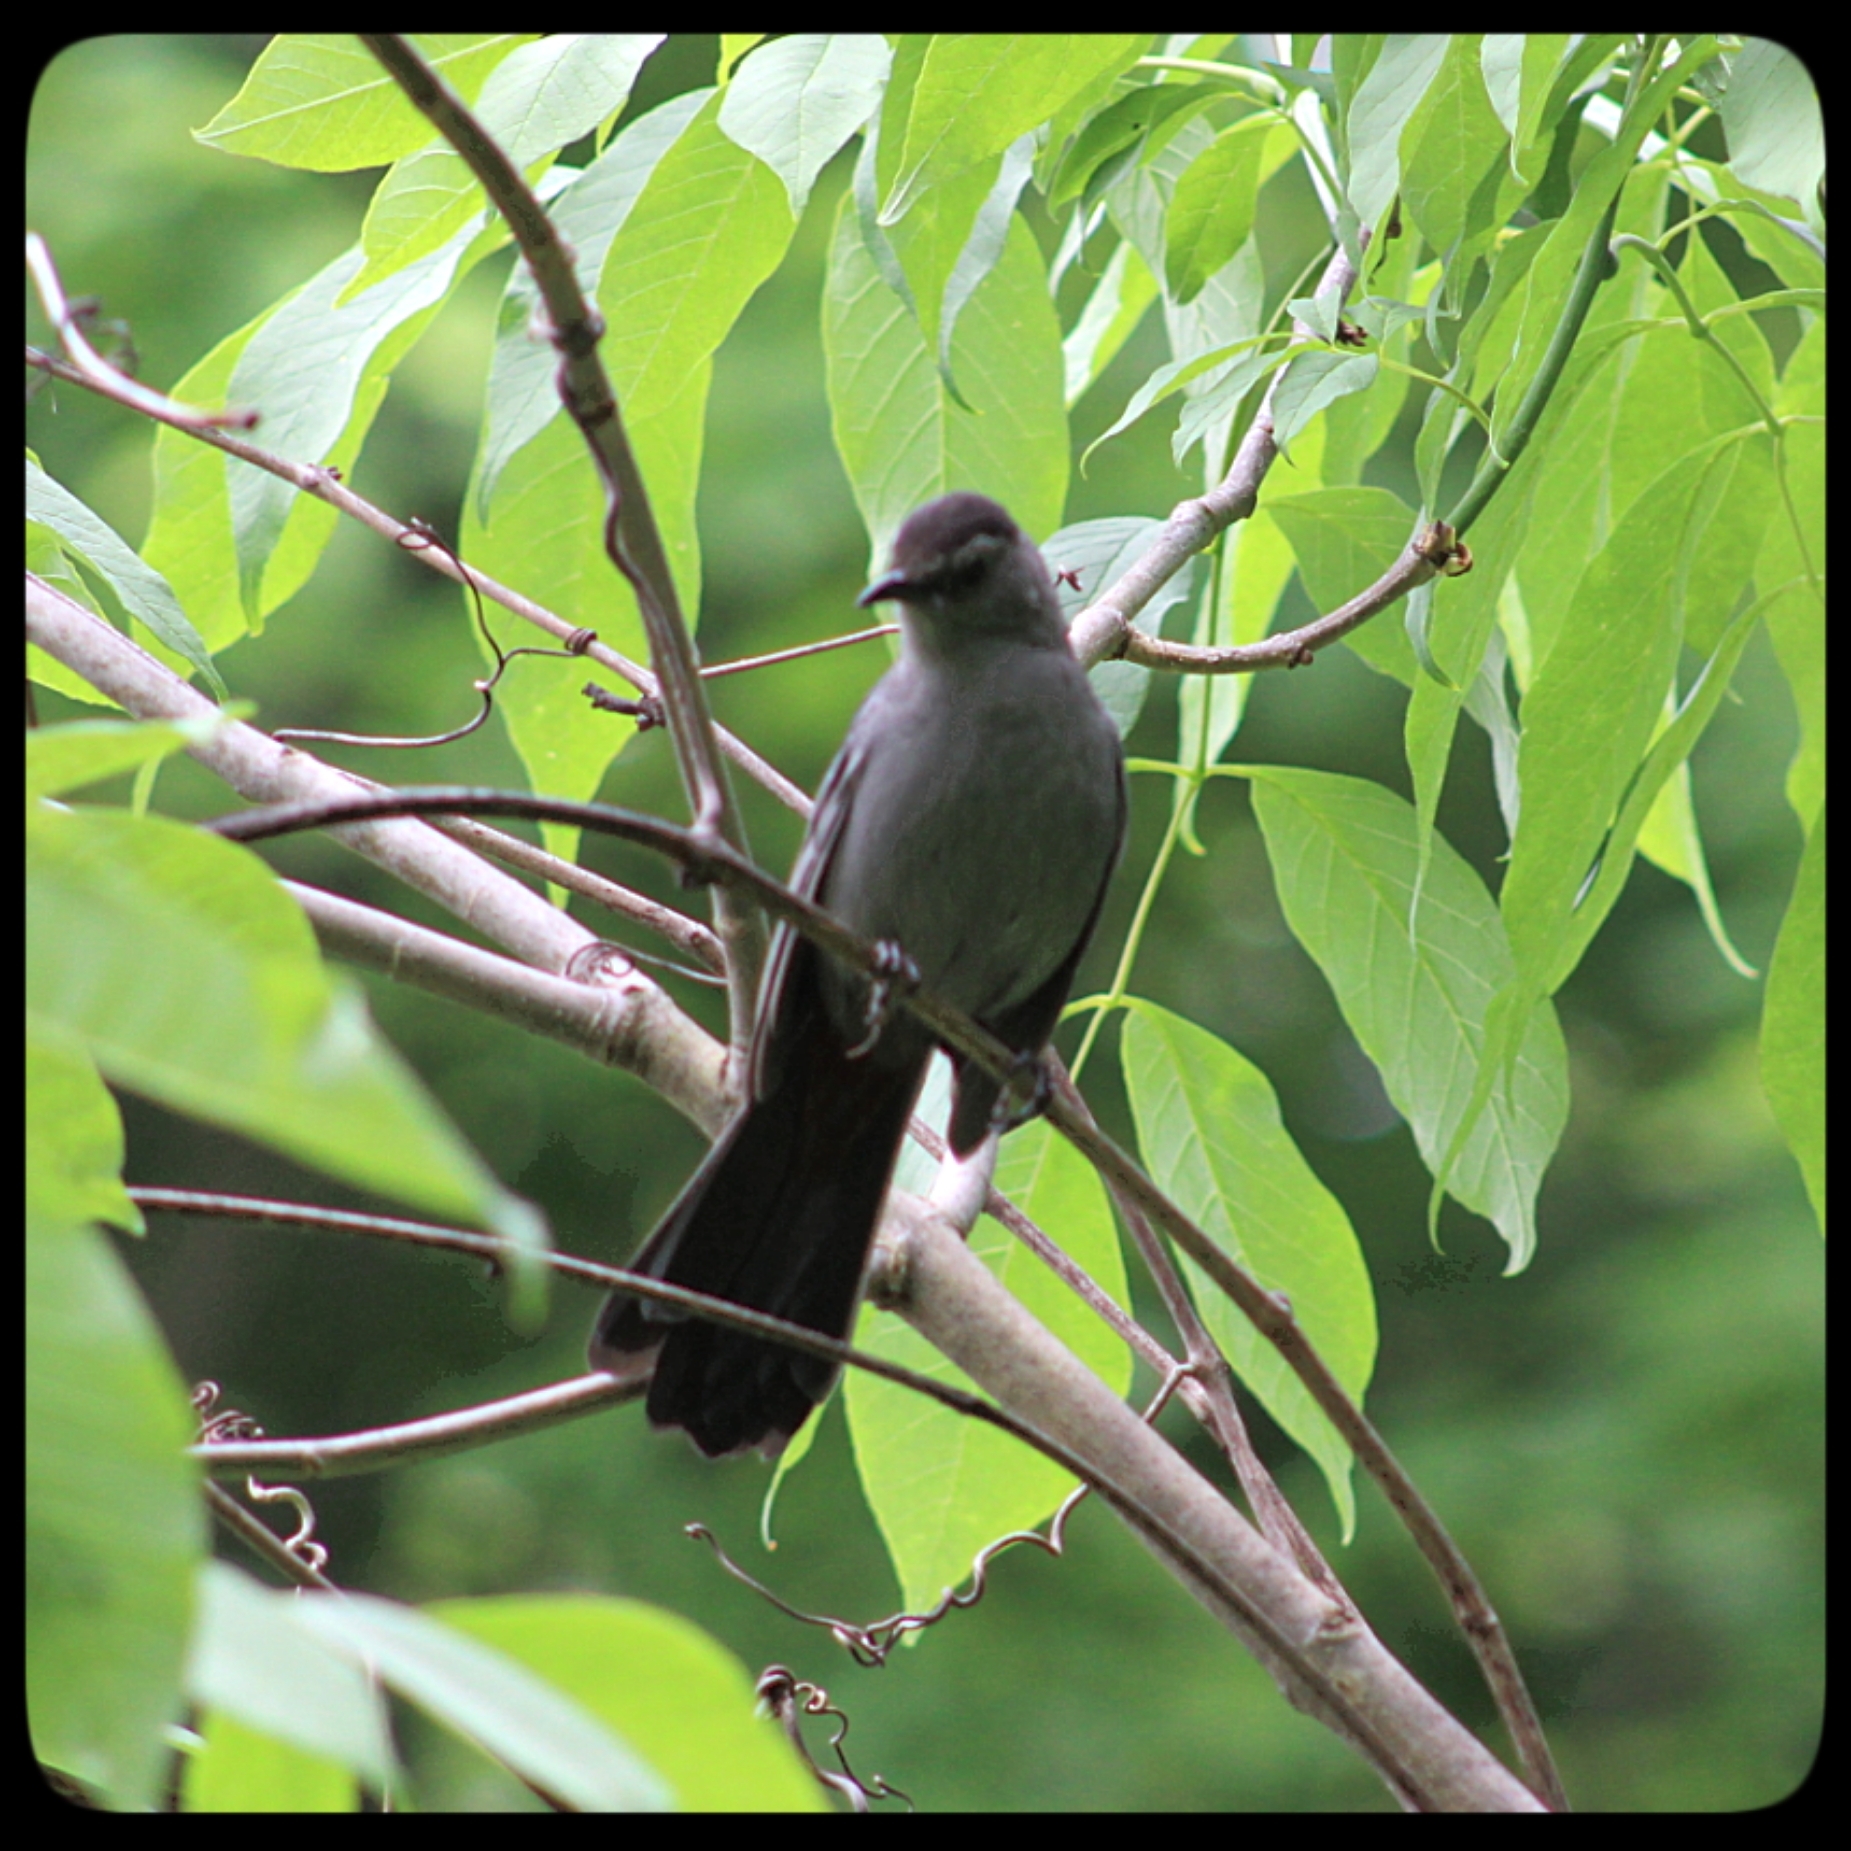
x: 779, y: 1217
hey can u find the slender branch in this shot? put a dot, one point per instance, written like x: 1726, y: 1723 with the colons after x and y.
x: 688, y: 936
x: 1596, y: 265
x: 464, y: 1429
x: 630, y: 532
x: 744, y: 663
x: 259, y: 1537
x: 1277, y: 1520
x: 1105, y: 630
x: 1420, y: 560
x: 588, y: 1017
x: 325, y: 485
x: 1430, y: 1760
x: 93, y: 370
x: 648, y: 1036
x: 1271, y: 1315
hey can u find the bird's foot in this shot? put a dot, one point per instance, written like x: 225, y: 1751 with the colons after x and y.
x: 1025, y: 1094
x: 896, y: 977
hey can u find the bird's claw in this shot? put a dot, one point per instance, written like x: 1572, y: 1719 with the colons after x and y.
x: 896, y: 977
x: 1025, y: 1094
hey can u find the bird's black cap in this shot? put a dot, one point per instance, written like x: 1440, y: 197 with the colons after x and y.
x: 943, y: 547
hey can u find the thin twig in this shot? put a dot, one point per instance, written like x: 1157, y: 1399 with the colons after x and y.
x: 93, y: 370
x: 325, y: 485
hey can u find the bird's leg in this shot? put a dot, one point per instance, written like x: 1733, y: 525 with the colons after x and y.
x: 896, y: 977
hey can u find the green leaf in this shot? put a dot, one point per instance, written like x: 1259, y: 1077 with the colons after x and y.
x: 73, y: 1136
x: 318, y: 368
x: 321, y: 101
x: 901, y: 436
x: 977, y: 92
x: 541, y: 99
x: 686, y: 252
x: 1124, y: 128
x: 796, y: 101
x: 1211, y: 212
x: 1670, y: 839
x: 1242, y: 365
x: 79, y: 752
x: 918, y: 256
x: 1383, y: 105
x: 196, y: 982
x: 1209, y: 1129
x: 1415, y: 983
x: 1211, y: 1139
x: 1344, y: 540
x: 733, y: 47
x: 1312, y: 381
x: 523, y: 388
x: 942, y: 1486
x: 689, y: 1711
x: 1770, y: 113
x: 710, y: 225
x: 1519, y: 69
x: 145, y: 594
x: 1667, y: 757
x: 253, y: 1659
x: 489, y: 1698
x: 1452, y: 140
x: 231, y: 1768
x: 1552, y: 273
x: 1117, y: 304
x: 1589, y: 717
x: 1793, y: 1021
x: 983, y: 249
x: 114, y: 1524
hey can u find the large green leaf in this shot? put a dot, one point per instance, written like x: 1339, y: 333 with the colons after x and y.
x: 976, y: 92
x: 114, y: 1525
x: 542, y: 98
x: 1415, y: 983
x: 1209, y: 1129
x: 941, y: 1486
x: 902, y: 438
x: 193, y: 979
x: 797, y: 100
x: 321, y: 100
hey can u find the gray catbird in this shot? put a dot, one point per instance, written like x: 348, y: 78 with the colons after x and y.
x: 973, y: 817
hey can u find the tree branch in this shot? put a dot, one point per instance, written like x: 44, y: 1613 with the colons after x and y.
x: 630, y: 532
x: 649, y: 1036
x: 325, y: 485
x: 1270, y: 1315
x: 1104, y: 631
x: 1324, y: 1659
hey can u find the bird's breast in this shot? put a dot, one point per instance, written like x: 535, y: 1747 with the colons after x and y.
x: 984, y: 823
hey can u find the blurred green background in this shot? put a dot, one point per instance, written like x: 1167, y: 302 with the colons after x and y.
x: 1627, y: 1439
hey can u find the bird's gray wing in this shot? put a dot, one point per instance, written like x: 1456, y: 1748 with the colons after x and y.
x: 1026, y: 1026
x: 789, y: 948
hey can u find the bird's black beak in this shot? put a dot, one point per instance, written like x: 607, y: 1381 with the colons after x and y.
x: 891, y: 585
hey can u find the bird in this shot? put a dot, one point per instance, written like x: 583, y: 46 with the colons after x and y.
x: 971, y: 820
